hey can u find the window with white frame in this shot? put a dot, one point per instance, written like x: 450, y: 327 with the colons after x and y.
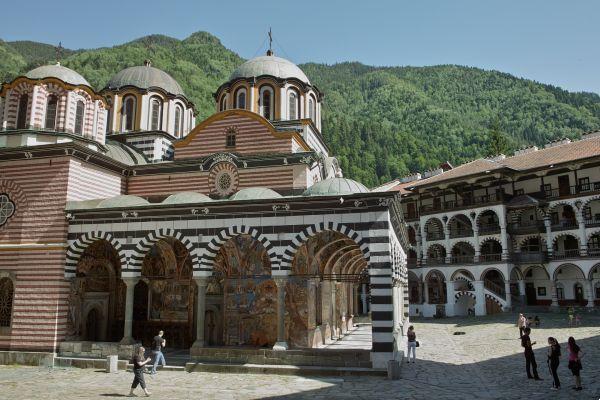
x: 266, y: 102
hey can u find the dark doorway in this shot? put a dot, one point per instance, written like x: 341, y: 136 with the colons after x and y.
x: 91, y: 326
x: 563, y: 185
x: 578, y: 293
x: 530, y: 294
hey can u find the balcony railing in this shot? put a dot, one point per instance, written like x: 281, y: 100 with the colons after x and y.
x: 490, y: 257
x: 493, y: 287
x: 434, y: 236
x: 530, y: 257
x: 436, y: 261
x: 593, y: 222
x: 463, y: 259
x: 489, y: 229
x: 525, y: 227
x: 574, y: 253
x: 473, y: 201
x: 564, y: 224
x: 556, y: 193
x: 460, y: 233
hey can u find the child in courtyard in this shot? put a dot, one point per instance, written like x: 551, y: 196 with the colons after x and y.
x: 138, y: 372
x: 575, y: 355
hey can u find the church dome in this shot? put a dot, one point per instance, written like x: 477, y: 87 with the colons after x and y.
x: 65, y: 74
x: 186, y: 198
x: 255, y: 193
x: 269, y: 65
x: 335, y: 187
x: 145, y: 77
x: 125, y: 200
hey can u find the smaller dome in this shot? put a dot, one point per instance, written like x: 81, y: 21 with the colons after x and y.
x: 122, y: 201
x: 334, y: 187
x: 145, y: 77
x: 186, y: 198
x: 255, y: 193
x: 269, y: 65
x: 65, y: 74
x: 123, y: 153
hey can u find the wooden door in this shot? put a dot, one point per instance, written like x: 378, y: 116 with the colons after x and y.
x: 563, y: 185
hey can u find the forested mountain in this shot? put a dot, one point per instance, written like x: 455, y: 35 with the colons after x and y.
x: 382, y: 122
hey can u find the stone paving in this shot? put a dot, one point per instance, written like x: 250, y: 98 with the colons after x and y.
x: 484, y: 363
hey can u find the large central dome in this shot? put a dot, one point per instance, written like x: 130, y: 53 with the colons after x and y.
x: 65, y: 74
x: 269, y: 65
x: 145, y: 77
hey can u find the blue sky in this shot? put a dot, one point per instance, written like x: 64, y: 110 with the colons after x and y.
x: 551, y: 41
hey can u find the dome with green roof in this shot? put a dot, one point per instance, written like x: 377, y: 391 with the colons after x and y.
x: 145, y: 77
x: 255, y: 193
x: 122, y: 201
x: 65, y: 74
x: 186, y: 198
x: 335, y: 187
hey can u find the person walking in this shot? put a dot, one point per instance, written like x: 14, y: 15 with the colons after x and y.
x: 412, y: 344
x: 575, y: 355
x: 529, y: 356
x: 158, y: 343
x: 554, y: 361
x: 521, y: 322
x: 138, y: 372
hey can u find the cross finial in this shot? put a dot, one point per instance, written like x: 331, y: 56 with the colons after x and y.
x: 59, y: 51
x: 270, y: 51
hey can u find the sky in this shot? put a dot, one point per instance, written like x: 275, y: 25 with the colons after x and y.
x: 550, y: 41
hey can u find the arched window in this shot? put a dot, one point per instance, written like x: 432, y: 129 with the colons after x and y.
x: 51, y: 107
x: 266, y: 102
x: 312, y: 112
x: 240, y: 98
x: 128, y: 113
x: 155, y: 114
x: 79, y: 113
x: 178, y: 121
x: 109, y: 120
x: 7, y: 293
x: 230, y: 137
x: 22, y: 113
x: 223, y: 103
x: 293, y: 105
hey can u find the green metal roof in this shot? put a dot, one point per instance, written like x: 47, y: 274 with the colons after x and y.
x: 255, y: 193
x: 186, y: 198
x: 57, y: 71
x: 145, y: 77
x: 122, y: 201
x: 269, y: 65
x: 335, y: 186
x: 124, y: 154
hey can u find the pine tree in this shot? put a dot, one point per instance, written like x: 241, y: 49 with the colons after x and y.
x: 497, y: 140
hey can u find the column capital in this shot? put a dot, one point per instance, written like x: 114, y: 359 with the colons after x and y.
x: 201, y: 280
x: 281, y: 280
x: 131, y: 280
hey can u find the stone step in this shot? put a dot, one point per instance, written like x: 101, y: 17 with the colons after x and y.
x: 283, y: 369
x: 80, y: 362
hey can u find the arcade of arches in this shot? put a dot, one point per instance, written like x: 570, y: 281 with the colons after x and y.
x: 240, y: 299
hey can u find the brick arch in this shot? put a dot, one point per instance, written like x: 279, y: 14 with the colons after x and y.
x: 76, y: 249
x: 543, y: 242
x: 575, y: 235
x: 144, y: 246
x: 464, y: 293
x: 480, y: 213
x: 208, y: 259
x: 588, y: 201
x: 559, y: 203
x: 302, y: 237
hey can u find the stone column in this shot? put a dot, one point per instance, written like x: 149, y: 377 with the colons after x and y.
x: 548, y: 235
x: 450, y: 299
x: 396, y: 306
x: 355, y: 299
x: 477, y: 244
x: 128, y: 326
x: 281, y: 343
x: 504, y: 241
x: 201, y: 283
x: 508, y: 296
x: 590, y: 293
x: 363, y: 297
x: 447, y: 243
x: 423, y: 241
x: 522, y: 291
x: 333, y: 310
x: 554, y: 293
x: 479, y: 298
x: 582, y: 242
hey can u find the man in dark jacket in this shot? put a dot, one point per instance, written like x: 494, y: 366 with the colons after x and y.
x: 529, y: 356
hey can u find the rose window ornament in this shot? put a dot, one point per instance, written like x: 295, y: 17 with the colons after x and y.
x: 7, y: 209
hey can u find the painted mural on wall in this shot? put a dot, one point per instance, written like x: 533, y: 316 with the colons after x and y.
x: 249, y: 293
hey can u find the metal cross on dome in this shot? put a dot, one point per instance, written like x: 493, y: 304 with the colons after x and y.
x: 59, y: 52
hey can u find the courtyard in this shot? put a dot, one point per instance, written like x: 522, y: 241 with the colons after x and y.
x: 485, y: 362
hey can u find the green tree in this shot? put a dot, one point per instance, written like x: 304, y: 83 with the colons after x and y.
x: 497, y: 141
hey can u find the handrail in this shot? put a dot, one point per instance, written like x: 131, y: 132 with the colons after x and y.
x: 495, y: 288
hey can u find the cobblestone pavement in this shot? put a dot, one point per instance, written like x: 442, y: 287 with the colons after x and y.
x: 484, y: 363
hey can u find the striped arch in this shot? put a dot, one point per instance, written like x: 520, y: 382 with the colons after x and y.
x: 494, y: 299
x: 562, y: 234
x: 464, y: 293
x: 480, y: 213
x: 290, y: 251
x: 144, y: 246
x: 561, y: 203
x: 76, y: 249
x: 592, y: 233
x: 542, y: 240
x: 588, y: 201
x: 207, y: 262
